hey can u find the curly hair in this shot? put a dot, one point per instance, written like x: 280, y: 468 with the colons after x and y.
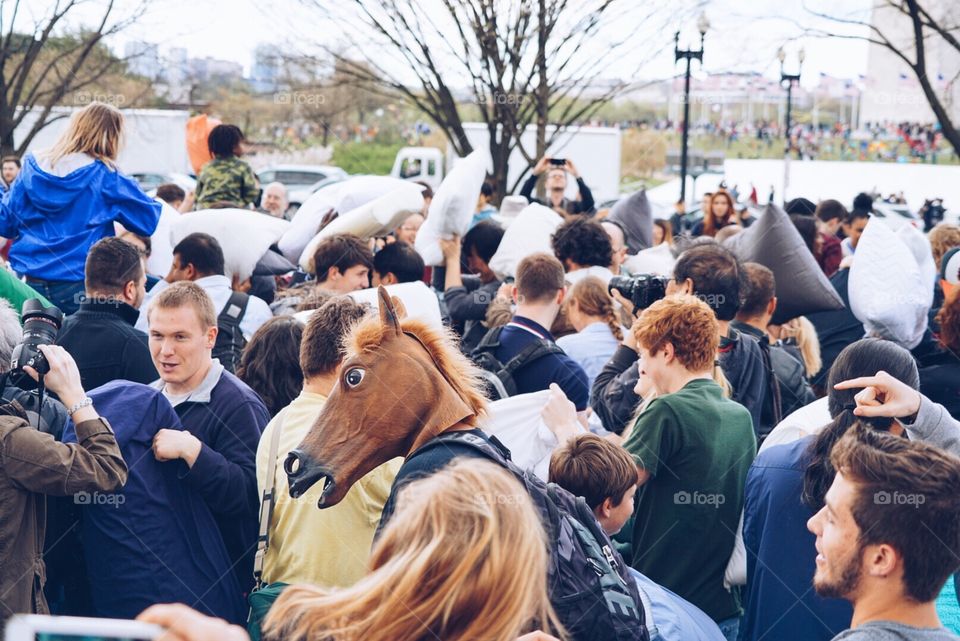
x: 584, y: 242
x: 687, y: 323
x: 270, y: 363
x: 943, y: 238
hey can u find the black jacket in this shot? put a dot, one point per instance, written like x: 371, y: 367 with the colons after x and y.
x: 793, y: 388
x: 582, y: 206
x: 614, y: 400
x: 102, y: 339
x: 467, y: 308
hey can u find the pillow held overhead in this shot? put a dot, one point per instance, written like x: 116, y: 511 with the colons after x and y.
x: 888, y: 292
x: 634, y: 213
x: 244, y: 235
x: 453, y: 206
x: 530, y: 232
x: 773, y: 241
x: 376, y: 218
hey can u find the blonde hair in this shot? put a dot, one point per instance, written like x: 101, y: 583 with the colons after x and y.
x: 183, y: 294
x: 942, y: 238
x: 95, y: 130
x: 592, y: 299
x: 463, y: 558
x: 809, y: 344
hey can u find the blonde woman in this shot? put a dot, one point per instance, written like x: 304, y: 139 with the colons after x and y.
x: 66, y: 199
x: 446, y: 567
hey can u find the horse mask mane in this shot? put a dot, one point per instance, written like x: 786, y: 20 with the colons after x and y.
x: 400, y: 384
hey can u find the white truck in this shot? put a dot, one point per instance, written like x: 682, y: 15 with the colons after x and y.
x: 156, y: 139
x: 594, y: 150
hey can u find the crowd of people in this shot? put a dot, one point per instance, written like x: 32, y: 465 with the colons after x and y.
x: 235, y: 460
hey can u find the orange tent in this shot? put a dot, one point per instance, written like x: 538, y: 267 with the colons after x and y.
x: 198, y: 128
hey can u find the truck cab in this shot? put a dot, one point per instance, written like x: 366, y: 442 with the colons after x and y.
x: 419, y: 164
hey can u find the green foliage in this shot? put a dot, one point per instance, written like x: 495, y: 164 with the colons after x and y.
x: 365, y: 157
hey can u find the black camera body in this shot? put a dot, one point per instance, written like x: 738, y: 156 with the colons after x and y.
x: 643, y: 290
x: 40, y: 327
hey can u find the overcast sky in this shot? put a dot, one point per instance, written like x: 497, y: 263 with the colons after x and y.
x: 744, y: 34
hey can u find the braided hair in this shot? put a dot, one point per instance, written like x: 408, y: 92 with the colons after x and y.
x: 593, y: 300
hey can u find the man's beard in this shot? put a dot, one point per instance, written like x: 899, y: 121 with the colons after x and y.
x: 846, y: 584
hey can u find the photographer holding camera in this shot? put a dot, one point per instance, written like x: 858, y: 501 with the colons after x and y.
x: 34, y: 465
x: 556, y: 184
x: 46, y: 414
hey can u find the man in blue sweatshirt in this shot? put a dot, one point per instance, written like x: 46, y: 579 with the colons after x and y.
x: 221, y: 416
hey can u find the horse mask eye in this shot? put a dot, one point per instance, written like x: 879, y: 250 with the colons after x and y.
x: 354, y: 376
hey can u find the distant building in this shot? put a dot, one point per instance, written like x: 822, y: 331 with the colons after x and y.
x: 265, y: 73
x: 892, y: 92
x: 143, y: 59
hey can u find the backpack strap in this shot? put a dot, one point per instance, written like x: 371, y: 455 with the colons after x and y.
x: 267, y: 502
x: 232, y: 313
x: 502, y: 380
x: 492, y: 449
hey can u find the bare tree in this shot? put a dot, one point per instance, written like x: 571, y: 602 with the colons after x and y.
x: 519, y: 62
x: 40, y: 66
x: 927, y: 29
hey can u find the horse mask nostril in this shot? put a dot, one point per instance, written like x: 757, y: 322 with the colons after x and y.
x: 294, y: 464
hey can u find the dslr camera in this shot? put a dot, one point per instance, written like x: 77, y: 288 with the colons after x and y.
x: 643, y: 290
x: 40, y: 327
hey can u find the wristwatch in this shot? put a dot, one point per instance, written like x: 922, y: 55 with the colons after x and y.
x: 79, y: 405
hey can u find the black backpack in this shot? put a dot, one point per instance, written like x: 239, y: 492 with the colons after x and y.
x: 497, y: 376
x: 594, y: 597
x: 230, y: 340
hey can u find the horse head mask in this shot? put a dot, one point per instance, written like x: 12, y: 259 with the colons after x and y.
x: 400, y: 384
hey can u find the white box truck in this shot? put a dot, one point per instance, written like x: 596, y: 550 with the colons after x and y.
x: 594, y: 150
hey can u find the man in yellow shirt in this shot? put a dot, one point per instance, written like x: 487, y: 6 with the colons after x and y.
x: 327, y: 547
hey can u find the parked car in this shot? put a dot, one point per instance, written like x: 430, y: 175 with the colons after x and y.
x: 896, y: 216
x: 298, y: 179
x: 150, y: 181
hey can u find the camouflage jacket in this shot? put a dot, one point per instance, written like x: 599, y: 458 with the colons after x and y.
x: 226, y: 180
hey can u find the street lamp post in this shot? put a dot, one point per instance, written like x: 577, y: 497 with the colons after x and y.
x: 789, y: 79
x: 689, y: 54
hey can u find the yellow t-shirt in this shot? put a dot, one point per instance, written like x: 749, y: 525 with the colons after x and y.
x: 329, y: 547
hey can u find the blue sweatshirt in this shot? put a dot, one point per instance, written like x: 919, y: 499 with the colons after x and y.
x: 155, y: 540
x: 55, y: 220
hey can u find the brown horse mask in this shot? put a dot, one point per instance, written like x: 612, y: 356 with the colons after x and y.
x: 391, y: 397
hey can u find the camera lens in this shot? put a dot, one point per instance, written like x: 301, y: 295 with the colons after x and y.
x: 40, y: 327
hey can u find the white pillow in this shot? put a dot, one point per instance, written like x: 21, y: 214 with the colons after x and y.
x: 453, y: 206
x: 360, y: 190
x: 244, y: 235
x: 529, y: 233
x: 887, y: 292
x: 919, y: 245
x: 376, y: 218
x: 161, y: 251
x: 516, y: 422
x: 421, y: 302
x: 653, y: 260
x: 307, y: 220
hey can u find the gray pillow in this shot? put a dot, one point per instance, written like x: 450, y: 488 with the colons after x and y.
x: 802, y: 287
x: 634, y: 214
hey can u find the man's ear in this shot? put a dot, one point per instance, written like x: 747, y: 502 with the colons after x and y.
x: 686, y: 286
x: 333, y: 274
x: 604, y: 509
x: 212, y: 336
x: 130, y: 291
x: 561, y: 295
x: 881, y: 560
x: 515, y: 294
x: 389, y: 279
x: 190, y: 272
x: 668, y: 353
x: 772, y: 306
